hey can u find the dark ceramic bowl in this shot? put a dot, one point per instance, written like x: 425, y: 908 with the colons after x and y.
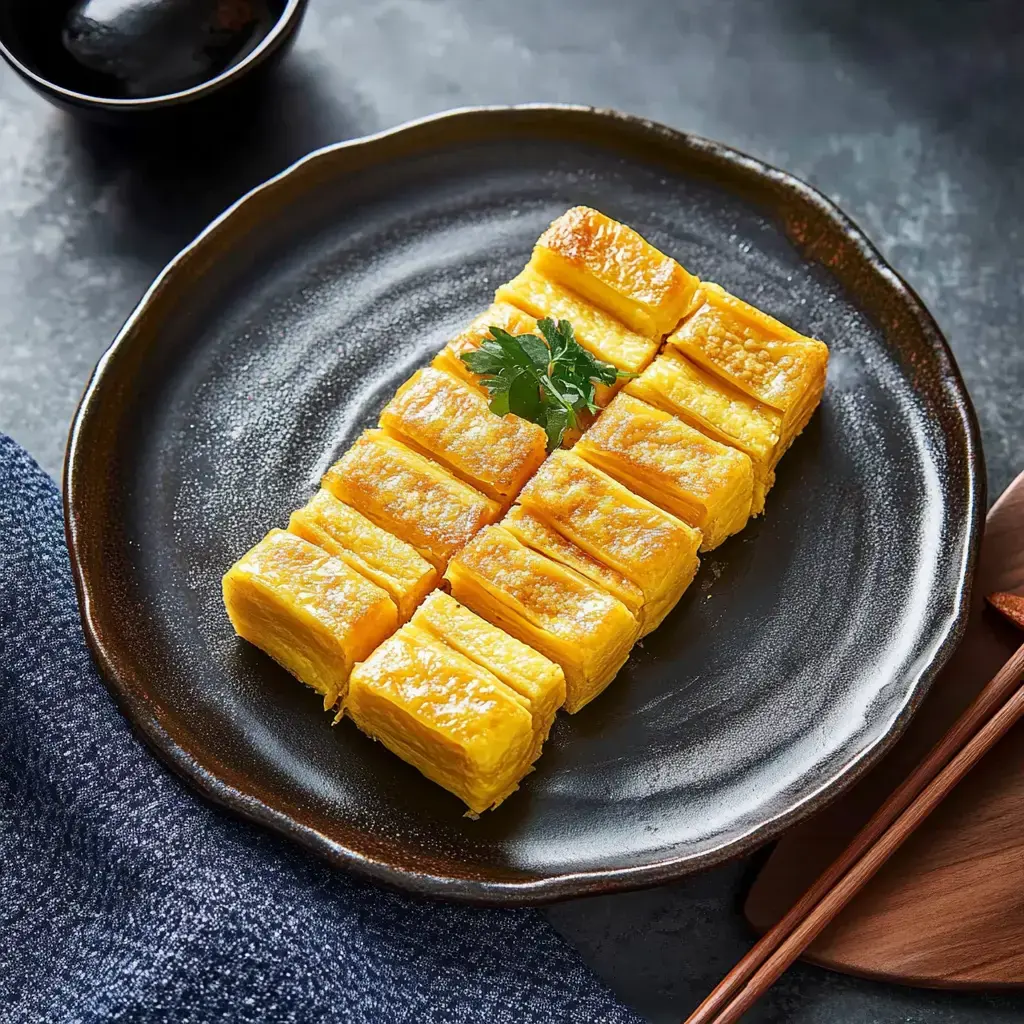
x: 30, y: 43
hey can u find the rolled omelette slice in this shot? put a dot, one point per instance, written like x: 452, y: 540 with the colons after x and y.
x: 599, y: 333
x: 534, y: 532
x: 448, y: 420
x: 501, y: 314
x: 308, y: 610
x: 526, y: 671
x: 613, y: 267
x: 652, y: 548
x: 715, y: 408
x: 378, y: 555
x: 759, y: 355
x: 549, y: 607
x: 444, y: 714
x: 410, y: 496
x: 704, y: 483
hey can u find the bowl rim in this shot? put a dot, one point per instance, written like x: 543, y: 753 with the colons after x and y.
x: 289, y: 15
x: 558, y: 885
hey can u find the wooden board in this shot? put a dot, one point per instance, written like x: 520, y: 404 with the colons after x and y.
x: 948, y: 909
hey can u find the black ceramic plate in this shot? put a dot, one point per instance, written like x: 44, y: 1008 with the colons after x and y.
x: 798, y: 654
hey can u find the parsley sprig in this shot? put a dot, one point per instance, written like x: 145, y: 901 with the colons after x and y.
x: 549, y: 380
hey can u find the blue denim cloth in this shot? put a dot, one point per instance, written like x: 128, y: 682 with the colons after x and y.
x: 125, y: 897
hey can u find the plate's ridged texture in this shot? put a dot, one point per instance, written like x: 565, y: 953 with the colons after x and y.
x: 798, y: 652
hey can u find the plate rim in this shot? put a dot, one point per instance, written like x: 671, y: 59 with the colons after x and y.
x: 555, y: 885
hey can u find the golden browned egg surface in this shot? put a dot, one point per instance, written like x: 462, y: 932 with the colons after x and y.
x: 407, y: 494
x: 449, y: 420
x: 616, y: 269
x: 524, y: 578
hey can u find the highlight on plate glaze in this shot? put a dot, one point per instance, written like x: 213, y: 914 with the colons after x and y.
x: 530, y: 505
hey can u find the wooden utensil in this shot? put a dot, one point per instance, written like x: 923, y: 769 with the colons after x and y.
x: 995, y: 710
x: 948, y: 909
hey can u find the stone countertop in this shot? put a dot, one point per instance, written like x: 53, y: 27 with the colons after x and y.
x: 909, y: 116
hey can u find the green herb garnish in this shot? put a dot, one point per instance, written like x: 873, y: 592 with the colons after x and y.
x: 549, y: 380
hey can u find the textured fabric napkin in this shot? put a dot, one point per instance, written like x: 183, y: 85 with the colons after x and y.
x: 125, y: 897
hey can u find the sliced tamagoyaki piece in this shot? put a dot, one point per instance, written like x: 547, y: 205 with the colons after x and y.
x: 380, y: 556
x: 757, y: 354
x: 448, y: 420
x: 311, y: 612
x: 528, y: 672
x: 652, y: 548
x: 616, y: 269
x: 536, y: 533
x: 656, y: 455
x: 716, y: 408
x: 444, y: 714
x: 548, y: 606
x: 598, y: 332
x: 410, y: 496
x: 500, y: 314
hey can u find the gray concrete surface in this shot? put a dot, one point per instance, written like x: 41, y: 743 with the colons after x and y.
x: 911, y: 116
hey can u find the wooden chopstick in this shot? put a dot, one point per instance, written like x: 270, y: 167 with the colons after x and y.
x: 978, y: 729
